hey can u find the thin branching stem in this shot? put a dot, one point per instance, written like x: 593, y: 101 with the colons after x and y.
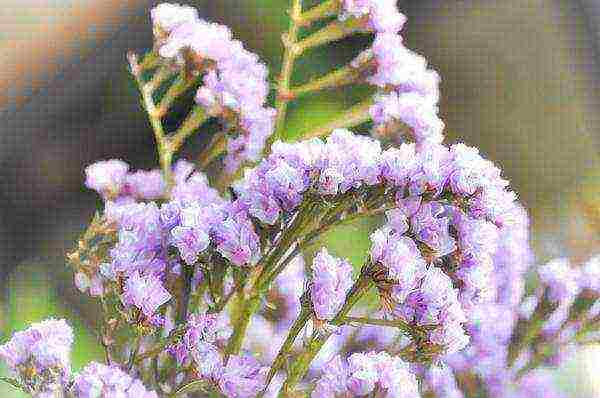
x: 289, y: 57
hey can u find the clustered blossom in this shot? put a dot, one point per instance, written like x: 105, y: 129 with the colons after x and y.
x: 99, y: 380
x: 241, y: 376
x: 435, y: 303
x: 449, y: 263
x: 331, y: 280
x: 561, y: 279
x: 381, y: 15
x: 235, y: 81
x: 204, y: 333
x: 364, y: 373
x: 460, y: 233
x: 537, y: 384
x: 40, y: 356
x: 490, y: 324
x: 408, y: 92
x: 194, y: 217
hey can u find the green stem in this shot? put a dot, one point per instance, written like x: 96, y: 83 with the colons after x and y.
x: 527, y: 330
x: 396, y: 323
x: 217, y: 146
x: 150, y: 60
x: 165, y: 156
x: 134, y: 353
x: 188, y: 274
x: 195, y: 119
x: 248, y: 307
x: 334, y: 31
x: 289, y: 56
x: 338, y: 78
x: 181, y: 85
x: 324, y: 10
x: 287, y: 346
x: 354, y: 116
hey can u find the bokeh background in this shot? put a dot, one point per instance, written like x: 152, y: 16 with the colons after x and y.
x: 521, y: 80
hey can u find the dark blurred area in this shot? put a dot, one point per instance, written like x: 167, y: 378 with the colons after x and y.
x: 520, y: 80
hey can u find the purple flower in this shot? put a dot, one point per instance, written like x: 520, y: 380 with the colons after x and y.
x: 236, y: 82
x: 334, y: 380
x: 107, y: 177
x: 430, y: 226
x: 348, y: 161
x: 242, y: 377
x: 192, y: 187
x: 561, y: 279
x: 236, y: 240
x: 190, y: 241
x: 440, y: 381
x: 331, y: 280
x: 471, y: 172
x: 383, y: 15
x: 99, y: 380
x: 146, y: 185
x: 411, y: 109
x: 40, y: 355
x: 435, y: 303
x: 399, y: 164
x: 145, y: 292
x: 363, y: 373
x: 401, y: 257
x: 590, y: 274
x: 168, y: 16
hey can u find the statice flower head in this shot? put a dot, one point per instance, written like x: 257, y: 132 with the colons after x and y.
x: 430, y: 225
x: 205, y: 335
x: 331, y: 280
x: 146, y: 185
x: 145, y: 292
x: 411, y: 109
x: 400, y: 257
x: 236, y: 240
x: 190, y: 241
x: 168, y: 16
x: 382, y: 15
x: 348, y: 161
x: 40, y: 356
x: 235, y: 81
x: 192, y: 187
x: 590, y: 275
x: 364, y: 373
x: 561, y: 280
x: 107, y: 177
x: 242, y: 377
x: 99, y: 380
x: 538, y: 384
x: 408, y: 91
x: 435, y: 303
x: 440, y: 380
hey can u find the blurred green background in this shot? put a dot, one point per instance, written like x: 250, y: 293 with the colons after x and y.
x: 520, y: 80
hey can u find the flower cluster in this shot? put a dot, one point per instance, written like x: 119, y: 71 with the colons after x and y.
x: 241, y: 376
x: 332, y: 278
x: 408, y: 92
x: 40, y: 356
x: 364, y: 373
x: 235, y: 81
x: 380, y: 16
x: 213, y: 284
x: 99, y: 380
